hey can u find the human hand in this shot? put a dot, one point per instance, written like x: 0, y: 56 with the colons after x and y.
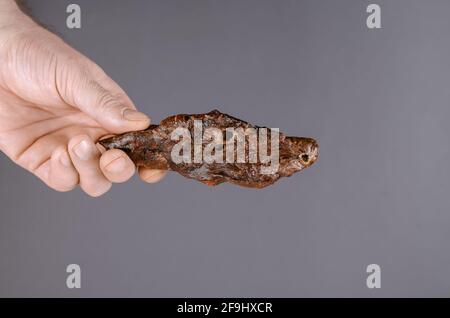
x: 54, y: 104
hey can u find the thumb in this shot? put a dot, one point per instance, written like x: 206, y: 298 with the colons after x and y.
x: 89, y: 89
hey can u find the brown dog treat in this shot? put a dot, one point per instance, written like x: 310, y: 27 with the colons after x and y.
x: 152, y: 148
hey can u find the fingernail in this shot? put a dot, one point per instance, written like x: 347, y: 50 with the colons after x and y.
x: 64, y: 159
x: 83, y: 150
x: 117, y: 165
x: 134, y: 115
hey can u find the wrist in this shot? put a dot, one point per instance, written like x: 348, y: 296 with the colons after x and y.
x: 13, y: 20
x: 11, y: 14
x: 8, y: 7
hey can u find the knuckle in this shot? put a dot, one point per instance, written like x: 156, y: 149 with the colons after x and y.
x: 67, y: 183
x: 96, y: 190
x: 105, y: 100
x: 63, y: 188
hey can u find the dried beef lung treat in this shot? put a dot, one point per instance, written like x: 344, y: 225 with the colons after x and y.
x: 152, y: 148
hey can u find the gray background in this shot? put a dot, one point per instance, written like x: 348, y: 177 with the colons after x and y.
x: 376, y: 100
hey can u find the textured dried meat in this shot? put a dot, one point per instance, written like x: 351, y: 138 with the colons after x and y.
x: 152, y: 148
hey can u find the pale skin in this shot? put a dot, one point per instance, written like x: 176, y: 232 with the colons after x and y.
x: 55, y: 104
